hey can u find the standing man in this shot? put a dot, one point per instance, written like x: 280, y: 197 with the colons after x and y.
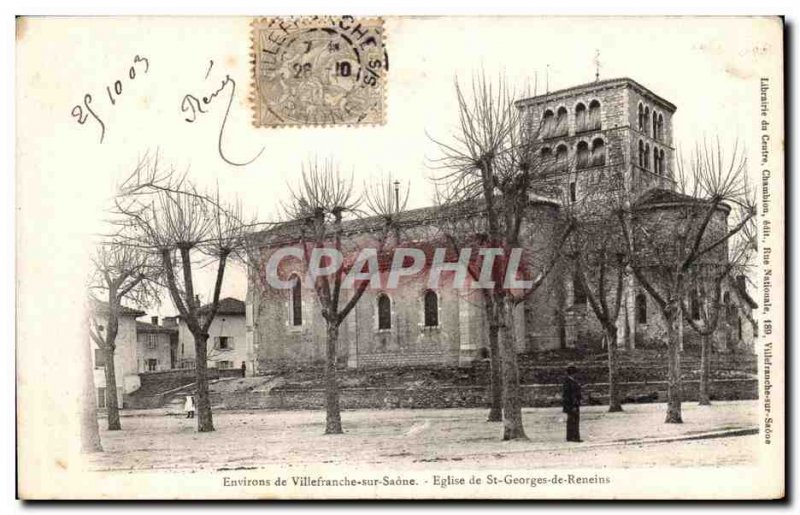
x: 571, y: 401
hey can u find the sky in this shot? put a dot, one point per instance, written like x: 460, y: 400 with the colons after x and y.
x: 709, y: 68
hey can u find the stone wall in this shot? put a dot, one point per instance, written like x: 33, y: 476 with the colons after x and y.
x: 471, y: 397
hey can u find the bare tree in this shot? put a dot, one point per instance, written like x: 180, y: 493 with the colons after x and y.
x: 166, y: 215
x: 707, y: 307
x: 670, y: 235
x: 321, y: 204
x: 488, y: 162
x: 121, y: 273
x: 598, y: 252
x: 90, y: 431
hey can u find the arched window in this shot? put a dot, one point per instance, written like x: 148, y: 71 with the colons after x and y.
x: 647, y: 156
x: 655, y: 125
x: 578, y: 292
x: 656, y: 164
x: 546, y: 155
x: 661, y: 162
x: 561, y: 158
x: 297, y: 301
x: 726, y: 298
x: 641, y: 117
x: 580, y: 118
x: 384, y: 312
x: 582, y: 155
x: 431, y: 302
x: 694, y: 305
x: 641, y: 308
x: 562, y: 124
x: 594, y: 115
x: 548, y: 124
x: 598, y: 152
x: 660, y: 127
x: 573, y: 194
x: 641, y: 154
x: 646, y: 120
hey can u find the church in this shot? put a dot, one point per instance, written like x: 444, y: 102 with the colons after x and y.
x: 591, y: 133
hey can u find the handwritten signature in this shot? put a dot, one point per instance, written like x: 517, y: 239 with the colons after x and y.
x: 79, y: 112
x: 196, y: 107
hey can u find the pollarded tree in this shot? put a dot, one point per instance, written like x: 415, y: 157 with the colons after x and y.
x: 184, y: 229
x: 488, y: 161
x: 706, y: 307
x: 320, y: 207
x: 669, y: 235
x: 120, y: 273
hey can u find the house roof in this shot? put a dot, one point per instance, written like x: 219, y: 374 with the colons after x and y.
x: 595, y: 85
x: 101, y: 308
x: 227, y: 306
x: 144, y: 327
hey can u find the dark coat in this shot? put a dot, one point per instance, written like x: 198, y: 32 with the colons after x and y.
x: 570, y: 394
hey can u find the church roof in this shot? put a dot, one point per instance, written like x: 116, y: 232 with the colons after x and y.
x: 661, y: 197
x: 595, y: 85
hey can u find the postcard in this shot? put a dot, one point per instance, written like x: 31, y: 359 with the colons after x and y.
x: 400, y: 257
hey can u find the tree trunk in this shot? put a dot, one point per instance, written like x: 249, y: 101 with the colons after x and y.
x: 333, y: 417
x: 90, y: 432
x: 205, y: 422
x: 705, y: 369
x: 496, y: 380
x: 614, y: 403
x: 673, y: 318
x: 112, y: 403
x: 512, y: 401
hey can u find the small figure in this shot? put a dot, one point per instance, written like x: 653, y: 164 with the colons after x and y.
x: 244, y: 368
x: 571, y: 401
x: 189, y: 406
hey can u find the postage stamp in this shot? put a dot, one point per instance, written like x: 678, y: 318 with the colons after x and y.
x: 319, y: 70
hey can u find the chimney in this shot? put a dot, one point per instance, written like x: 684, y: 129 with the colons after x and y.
x: 154, y: 320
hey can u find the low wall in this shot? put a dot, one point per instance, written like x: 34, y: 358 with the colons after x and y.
x: 472, y: 396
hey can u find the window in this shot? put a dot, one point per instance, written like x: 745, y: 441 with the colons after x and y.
x: 646, y: 123
x: 562, y: 126
x: 641, y: 308
x: 431, y: 302
x: 152, y: 340
x: 99, y: 358
x: 101, y: 397
x: 384, y: 312
x: 547, y: 158
x: 151, y: 364
x: 578, y: 292
x: 548, y: 124
x: 573, y: 194
x: 694, y: 305
x: 224, y: 342
x: 647, y: 156
x: 655, y: 125
x: 661, y: 162
x: 641, y: 117
x: 660, y: 135
x: 582, y: 155
x: 297, y: 302
x: 224, y: 364
x: 594, y: 116
x: 641, y: 153
x: 561, y: 158
x: 656, y: 165
x: 726, y: 298
x: 598, y: 152
x: 739, y: 327
x: 580, y: 118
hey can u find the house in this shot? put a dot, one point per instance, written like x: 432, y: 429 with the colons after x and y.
x: 156, y: 346
x: 597, y: 137
x: 126, y: 363
x: 229, y: 345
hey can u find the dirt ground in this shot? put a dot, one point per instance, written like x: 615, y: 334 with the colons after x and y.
x: 454, y: 437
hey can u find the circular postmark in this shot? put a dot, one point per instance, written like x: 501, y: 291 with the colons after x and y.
x: 331, y: 73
